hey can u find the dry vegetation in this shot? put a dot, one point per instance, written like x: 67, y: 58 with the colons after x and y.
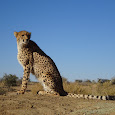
x: 78, y: 87
x: 90, y: 88
x: 32, y: 104
x: 82, y: 88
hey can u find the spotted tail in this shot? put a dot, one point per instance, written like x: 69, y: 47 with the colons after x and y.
x: 91, y: 96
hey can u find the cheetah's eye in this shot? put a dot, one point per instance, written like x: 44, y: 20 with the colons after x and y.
x: 22, y: 35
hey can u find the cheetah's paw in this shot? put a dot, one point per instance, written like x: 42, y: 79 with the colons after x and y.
x: 20, y: 92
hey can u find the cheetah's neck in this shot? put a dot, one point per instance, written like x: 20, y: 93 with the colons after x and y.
x: 20, y: 47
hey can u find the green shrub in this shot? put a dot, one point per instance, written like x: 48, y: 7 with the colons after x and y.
x: 9, y: 80
x: 78, y: 81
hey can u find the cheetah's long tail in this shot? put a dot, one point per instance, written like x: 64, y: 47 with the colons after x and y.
x: 91, y: 96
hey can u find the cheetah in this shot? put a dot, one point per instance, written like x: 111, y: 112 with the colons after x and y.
x: 35, y: 61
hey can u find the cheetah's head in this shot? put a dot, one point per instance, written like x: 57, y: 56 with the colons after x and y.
x: 23, y: 37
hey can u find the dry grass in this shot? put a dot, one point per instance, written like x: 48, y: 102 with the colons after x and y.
x: 73, y: 87
x: 105, y: 89
x: 90, y: 88
x: 35, y: 87
x: 82, y: 88
x: 77, y: 88
x: 2, y: 89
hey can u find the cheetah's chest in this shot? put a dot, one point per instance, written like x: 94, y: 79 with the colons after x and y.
x: 23, y: 58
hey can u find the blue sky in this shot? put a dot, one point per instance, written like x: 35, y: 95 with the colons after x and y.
x: 79, y: 35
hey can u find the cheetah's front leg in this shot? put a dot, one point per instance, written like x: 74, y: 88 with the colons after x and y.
x: 25, y: 79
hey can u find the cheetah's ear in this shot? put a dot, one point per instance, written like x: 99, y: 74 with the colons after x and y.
x: 29, y: 34
x: 15, y: 34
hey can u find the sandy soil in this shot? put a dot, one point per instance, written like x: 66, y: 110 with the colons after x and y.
x: 32, y: 104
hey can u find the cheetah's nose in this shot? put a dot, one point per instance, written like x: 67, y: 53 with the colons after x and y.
x: 27, y: 40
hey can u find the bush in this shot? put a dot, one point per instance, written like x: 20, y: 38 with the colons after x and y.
x: 103, y: 80
x: 78, y: 81
x: 87, y: 81
x: 9, y: 80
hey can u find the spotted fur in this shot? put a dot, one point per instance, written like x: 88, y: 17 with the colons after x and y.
x: 35, y: 61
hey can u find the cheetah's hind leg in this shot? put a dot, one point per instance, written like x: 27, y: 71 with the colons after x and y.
x: 47, y: 93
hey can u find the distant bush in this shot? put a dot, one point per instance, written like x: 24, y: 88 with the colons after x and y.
x: 88, y: 81
x: 103, y: 80
x: 9, y: 80
x: 78, y: 81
